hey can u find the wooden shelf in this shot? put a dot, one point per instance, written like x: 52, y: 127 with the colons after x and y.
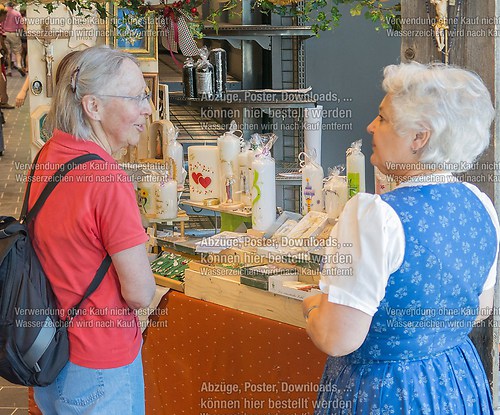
x: 218, y: 208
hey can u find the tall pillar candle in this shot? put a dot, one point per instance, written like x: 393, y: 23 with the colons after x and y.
x: 250, y: 159
x: 263, y: 193
x: 312, y: 188
x: 313, y: 123
x: 244, y: 178
x: 175, y: 156
x: 229, y: 150
x: 204, y: 172
x: 355, y: 166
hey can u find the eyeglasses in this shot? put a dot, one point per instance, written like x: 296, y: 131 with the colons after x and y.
x: 145, y: 96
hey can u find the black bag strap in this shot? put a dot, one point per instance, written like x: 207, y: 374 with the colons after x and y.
x: 53, y: 182
x: 99, y: 276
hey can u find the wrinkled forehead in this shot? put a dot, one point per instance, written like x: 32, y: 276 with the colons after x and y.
x: 128, y: 79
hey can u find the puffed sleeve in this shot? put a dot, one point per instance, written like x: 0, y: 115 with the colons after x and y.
x: 366, y: 246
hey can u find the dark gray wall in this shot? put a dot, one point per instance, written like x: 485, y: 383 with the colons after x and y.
x: 348, y: 61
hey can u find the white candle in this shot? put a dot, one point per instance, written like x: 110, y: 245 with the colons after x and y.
x: 244, y: 178
x: 312, y: 188
x: 204, y: 172
x: 355, y: 166
x: 335, y: 196
x: 313, y: 122
x: 263, y: 193
x: 229, y: 150
x: 146, y: 196
x: 175, y: 155
x: 250, y: 159
x: 166, y: 199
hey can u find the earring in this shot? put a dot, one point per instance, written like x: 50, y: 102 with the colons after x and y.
x: 414, y: 151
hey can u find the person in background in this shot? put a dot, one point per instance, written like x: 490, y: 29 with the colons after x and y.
x: 24, y: 42
x: 99, y: 106
x: 13, y: 27
x: 423, y: 258
x: 4, y: 97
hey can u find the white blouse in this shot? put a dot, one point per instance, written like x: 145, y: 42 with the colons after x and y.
x: 368, y: 245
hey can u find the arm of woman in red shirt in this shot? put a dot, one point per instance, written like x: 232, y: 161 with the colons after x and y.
x: 136, y: 279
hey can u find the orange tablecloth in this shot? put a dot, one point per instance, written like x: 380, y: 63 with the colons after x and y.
x: 202, y: 359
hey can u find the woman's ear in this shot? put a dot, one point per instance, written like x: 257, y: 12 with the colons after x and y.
x: 420, y: 140
x: 92, y: 107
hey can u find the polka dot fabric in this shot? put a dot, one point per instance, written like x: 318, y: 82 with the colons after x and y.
x: 202, y: 358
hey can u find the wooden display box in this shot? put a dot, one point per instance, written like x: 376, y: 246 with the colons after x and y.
x: 225, y: 291
x: 169, y: 283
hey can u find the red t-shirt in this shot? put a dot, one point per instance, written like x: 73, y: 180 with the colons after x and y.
x: 91, y: 212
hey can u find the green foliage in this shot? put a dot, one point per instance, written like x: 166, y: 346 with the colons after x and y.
x: 323, y: 18
x: 322, y: 15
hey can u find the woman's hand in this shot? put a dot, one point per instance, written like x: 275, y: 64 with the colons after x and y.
x: 20, y: 98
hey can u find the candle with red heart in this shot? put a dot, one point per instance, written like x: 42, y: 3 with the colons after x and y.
x: 204, y: 172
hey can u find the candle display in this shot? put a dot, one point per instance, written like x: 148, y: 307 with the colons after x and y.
x: 204, y: 172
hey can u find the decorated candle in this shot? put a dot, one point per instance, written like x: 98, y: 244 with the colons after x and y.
x: 243, y: 176
x: 335, y: 190
x: 166, y: 198
x: 229, y: 149
x: 312, y: 185
x: 250, y: 159
x: 175, y: 156
x: 264, y: 189
x: 146, y: 195
x: 204, y: 172
x: 355, y: 164
x: 263, y: 193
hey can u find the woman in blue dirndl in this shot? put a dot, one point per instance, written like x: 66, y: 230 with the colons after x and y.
x: 423, y: 259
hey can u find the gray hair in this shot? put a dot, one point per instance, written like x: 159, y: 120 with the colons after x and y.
x: 89, y: 72
x: 450, y: 102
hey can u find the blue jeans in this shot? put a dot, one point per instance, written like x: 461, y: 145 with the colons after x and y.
x: 83, y: 391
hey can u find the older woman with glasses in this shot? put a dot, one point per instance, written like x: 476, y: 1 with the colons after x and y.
x: 100, y: 106
x: 423, y: 259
